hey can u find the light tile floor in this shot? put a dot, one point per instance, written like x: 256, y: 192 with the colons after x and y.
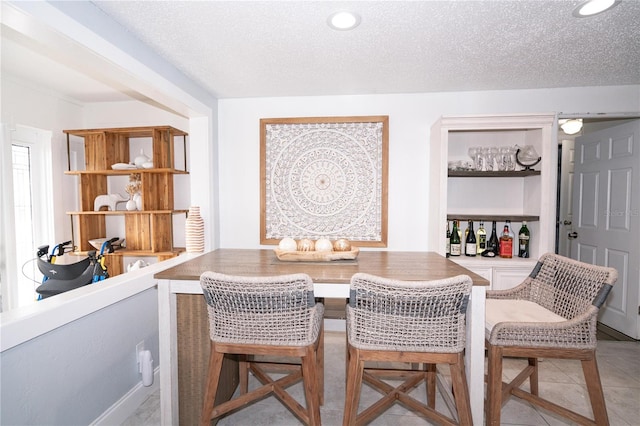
x: 562, y: 381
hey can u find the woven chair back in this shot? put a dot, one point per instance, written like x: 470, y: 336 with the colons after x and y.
x: 417, y: 316
x: 278, y: 310
x: 568, y: 287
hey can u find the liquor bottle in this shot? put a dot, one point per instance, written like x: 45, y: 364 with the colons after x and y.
x: 448, y: 241
x: 470, y: 247
x: 481, y: 236
x: 493, y: 245
x: 512, y: 235
x: 523, y: 240
x: 506, y: 242
x: 455, y: 240
x: 463, y: 249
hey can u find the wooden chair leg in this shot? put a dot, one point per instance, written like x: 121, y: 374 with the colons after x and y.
x: 461, y: 391
x: 309, y: 363
x: 494, y: 386
x: 346, y: 357
x: 430, y: 370
x: 243, y: 373
x: 211, y: 389
x: 355, y: 372
x: 320, y: 365
x: 594, y: 387
x: 533, y: 378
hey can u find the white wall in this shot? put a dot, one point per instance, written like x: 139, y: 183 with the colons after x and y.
x: 71, y: 374
x: 32, y: 106
x: 410, y: 120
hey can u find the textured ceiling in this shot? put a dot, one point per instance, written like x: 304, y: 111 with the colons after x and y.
x: 253, y: 49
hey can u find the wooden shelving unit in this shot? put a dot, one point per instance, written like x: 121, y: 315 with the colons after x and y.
x: 149, y: 231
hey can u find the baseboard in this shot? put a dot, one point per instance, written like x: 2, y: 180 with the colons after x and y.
x: 129, y: 403
x: 614, y: 334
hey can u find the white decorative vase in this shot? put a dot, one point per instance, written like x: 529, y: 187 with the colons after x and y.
x: 131, y: 205
x: 194, y: 231
x: 138, y: 200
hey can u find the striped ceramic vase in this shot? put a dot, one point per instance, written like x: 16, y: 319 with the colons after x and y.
x: 194, y: 231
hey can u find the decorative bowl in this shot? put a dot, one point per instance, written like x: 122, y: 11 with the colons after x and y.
x: 316, y: 256
x: 97, y: 243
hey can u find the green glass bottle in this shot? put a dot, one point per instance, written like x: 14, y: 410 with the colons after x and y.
x: 470, y: 247
x: 454, y: 241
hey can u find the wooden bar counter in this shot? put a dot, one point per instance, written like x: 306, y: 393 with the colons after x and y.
x: 184, y: 341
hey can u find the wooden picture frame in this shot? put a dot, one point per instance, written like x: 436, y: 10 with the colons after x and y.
x: 324, y: 177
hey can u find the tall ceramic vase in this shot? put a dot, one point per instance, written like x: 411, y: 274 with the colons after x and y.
x: 194, y: 231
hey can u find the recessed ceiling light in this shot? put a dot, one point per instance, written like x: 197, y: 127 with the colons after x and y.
x: 593, y: 7
x: 344, y: 21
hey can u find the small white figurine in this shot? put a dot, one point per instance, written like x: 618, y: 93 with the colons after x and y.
x: 109, y: 200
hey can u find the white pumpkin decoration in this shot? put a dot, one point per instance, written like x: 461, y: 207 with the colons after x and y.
x: 288, y: 244
x: 324, y: 245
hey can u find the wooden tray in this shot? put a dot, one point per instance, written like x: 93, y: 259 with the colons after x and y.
x: 316, y: 256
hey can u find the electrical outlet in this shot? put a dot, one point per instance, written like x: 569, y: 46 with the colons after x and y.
x: 139, y: 348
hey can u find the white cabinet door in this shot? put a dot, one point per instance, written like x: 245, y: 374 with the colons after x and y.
x: 504, y: 278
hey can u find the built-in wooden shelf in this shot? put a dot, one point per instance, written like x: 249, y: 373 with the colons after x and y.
x: 497, y: 174
x: 492, y: 217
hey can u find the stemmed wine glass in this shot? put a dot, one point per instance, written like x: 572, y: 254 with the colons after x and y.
x: 489, y: 154
x: 475, y: 152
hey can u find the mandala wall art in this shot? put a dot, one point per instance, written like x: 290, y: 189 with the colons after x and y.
x: 324, y: 177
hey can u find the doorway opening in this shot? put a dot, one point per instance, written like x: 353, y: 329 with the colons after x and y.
x: 566, y: 157
x: 596, y: 219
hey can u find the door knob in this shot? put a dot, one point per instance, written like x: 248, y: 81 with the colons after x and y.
x: 566, y: 222
x: 572, y: 235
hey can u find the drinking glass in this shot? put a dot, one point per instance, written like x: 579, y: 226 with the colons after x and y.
x: 489, y: 154
x: 475, y: 152
x: 501, y: 158
x: 511, y: 158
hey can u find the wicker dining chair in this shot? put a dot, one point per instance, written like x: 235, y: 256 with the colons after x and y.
x: 415, y: 322
x: 265, y: 316
x: 552, y: 314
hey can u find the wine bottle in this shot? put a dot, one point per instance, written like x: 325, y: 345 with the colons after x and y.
x: 470, y: 247
x: 463, y: 248
x: 506, y: 242
x: 448, y: 241
x: 455, y: 246
x: 493, y: 245
x: 523, y: 240
x: 481, y: 236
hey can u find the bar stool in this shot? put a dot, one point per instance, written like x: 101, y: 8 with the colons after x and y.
x: 552, y: 314
x: 275, y: 316
x: 410, y: 322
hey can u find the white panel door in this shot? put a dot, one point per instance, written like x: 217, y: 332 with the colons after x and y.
x: 565, y: 216
x: 607, y: 216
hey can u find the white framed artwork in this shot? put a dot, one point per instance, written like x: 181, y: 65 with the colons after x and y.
x: 324, y: 177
